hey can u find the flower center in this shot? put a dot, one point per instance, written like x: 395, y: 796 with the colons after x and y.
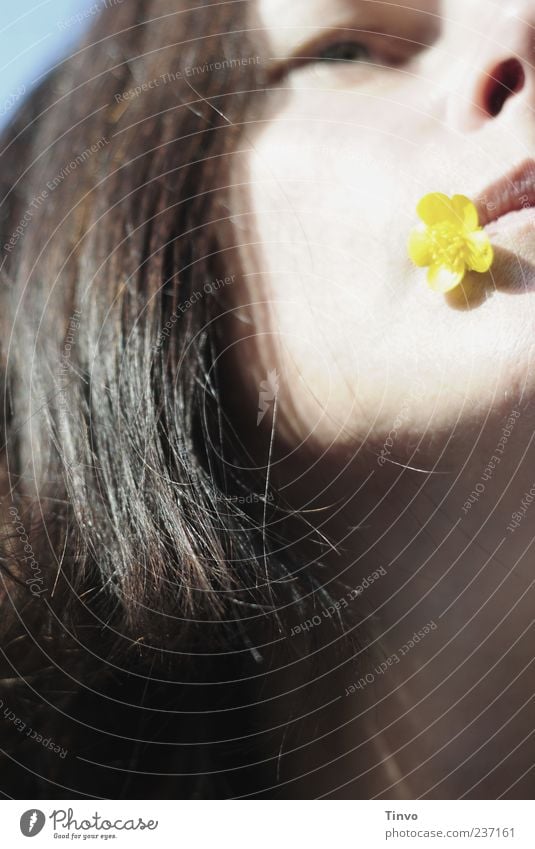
x: 447, y: 244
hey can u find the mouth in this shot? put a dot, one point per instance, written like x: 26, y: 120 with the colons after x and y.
x: 511, y: 198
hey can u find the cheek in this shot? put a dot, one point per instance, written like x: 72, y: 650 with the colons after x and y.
x: 326, y: 205
x: 332, y: 181
x: 323, y: 245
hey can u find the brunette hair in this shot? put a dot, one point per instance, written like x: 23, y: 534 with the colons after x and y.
x: 146, y: 597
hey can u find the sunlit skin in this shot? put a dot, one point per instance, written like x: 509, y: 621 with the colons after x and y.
x: 324, y: 201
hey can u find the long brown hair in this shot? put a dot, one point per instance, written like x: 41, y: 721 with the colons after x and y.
x: 145, y: 594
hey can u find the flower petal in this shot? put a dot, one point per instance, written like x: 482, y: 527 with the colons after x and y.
x: 442, y: 279
x: 480, y: 253
x: 465, y: 212
x: 419, y: 246
x: 436, y: 207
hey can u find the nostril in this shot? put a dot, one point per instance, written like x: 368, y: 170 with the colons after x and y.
x: 507, y: 79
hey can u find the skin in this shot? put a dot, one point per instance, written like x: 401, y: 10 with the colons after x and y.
x: 364, y: 352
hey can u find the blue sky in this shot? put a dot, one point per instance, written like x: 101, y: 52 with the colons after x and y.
x: 33, y: 35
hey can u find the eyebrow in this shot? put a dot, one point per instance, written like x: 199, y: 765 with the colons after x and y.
x: 306, y: 12
x: 290, y: 21
x: 286, y: 20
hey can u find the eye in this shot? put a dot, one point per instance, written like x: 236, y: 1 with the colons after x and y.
x: 344, y: 51
x: 378, y: 51
x: 337, y: 50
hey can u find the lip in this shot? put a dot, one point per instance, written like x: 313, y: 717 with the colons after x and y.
x: 511, y: 199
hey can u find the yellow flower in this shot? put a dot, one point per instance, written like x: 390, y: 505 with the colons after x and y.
x: 449, y: 240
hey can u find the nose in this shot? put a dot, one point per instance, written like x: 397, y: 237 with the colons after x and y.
x: 499, y: 68
x: 503, y: 82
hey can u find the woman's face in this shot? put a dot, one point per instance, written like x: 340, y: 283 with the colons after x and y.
x: 379, y: 103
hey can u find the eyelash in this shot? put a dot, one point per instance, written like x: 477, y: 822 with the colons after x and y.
x: 388, y: 52
x: 328, y: 53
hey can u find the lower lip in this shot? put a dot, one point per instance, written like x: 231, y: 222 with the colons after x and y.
x: 513, y: 220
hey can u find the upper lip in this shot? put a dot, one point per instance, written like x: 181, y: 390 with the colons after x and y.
x: 514, y: 191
